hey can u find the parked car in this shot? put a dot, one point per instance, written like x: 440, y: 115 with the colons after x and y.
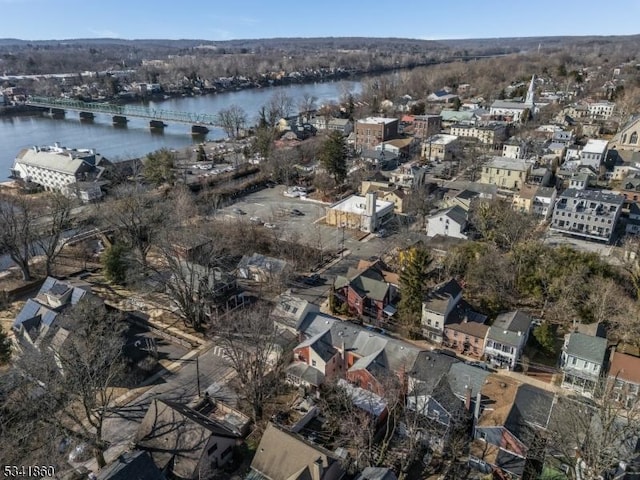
x: 297, y: 213
x: 313, y: 279
x: 239, y: 211
x: 381, y: 233
x: 270, y: 225
x: 256, y: 220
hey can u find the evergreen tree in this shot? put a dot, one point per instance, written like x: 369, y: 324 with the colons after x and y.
x: 115, y: 264
x: 158, y: 167
x: 415, y: 265
x: 201, y: 155
x: 333, y: 156
x: 5, y: 347
x: 546, y: 337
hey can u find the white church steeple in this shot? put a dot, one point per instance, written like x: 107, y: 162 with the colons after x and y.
x: 529, y: 101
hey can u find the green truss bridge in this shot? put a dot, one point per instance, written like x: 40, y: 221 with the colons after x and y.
x: 119, y: 113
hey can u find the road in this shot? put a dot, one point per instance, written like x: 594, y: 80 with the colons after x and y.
x: 181, y: 386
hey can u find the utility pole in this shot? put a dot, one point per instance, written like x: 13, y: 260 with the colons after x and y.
x: 198, y: 373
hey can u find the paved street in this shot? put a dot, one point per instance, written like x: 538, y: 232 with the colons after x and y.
x: 182, y: 386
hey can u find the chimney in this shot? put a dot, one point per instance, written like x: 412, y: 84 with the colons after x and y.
x: 467, y: 398
x: 316, y: 469
x: 476, y: 410
x: 370, y: 204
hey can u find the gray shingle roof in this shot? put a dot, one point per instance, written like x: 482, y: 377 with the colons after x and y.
x: 592, y: 349
x: 516, y: 321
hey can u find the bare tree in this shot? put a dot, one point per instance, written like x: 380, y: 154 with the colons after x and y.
x: 631, y: 261
x: 17, y: 218
x: 252, y: 344
x: 593, y: 437
x: 57, y: 212
x: 280, y: 106
x: 232, y: 120
x: 195, y: 282
x: 68, y: 384
x: 307, y: 104
x: 137, y: 215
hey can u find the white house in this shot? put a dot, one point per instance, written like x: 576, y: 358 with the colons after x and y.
x: 513, y: 149
x: 451, y: 222
x: 506, y: 339
x: 593, y: 153
x: 581, y: 362
x: 543, y: 201
x: 60, y: 169
x: 601, y: 110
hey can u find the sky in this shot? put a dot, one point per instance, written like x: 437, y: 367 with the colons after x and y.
x: 240, y: 19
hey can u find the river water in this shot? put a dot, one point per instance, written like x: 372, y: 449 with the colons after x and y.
x: 136, y: 139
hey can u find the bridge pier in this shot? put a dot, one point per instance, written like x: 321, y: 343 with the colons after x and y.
x: 199, y: 130
x: 57, y: 112
x: 86, y: 117
x: 120, y: 120
x: 157, y: 125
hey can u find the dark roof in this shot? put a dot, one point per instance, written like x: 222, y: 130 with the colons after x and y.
x: 369, y: 282
x: 593, y: 195
x: 430, y: 366
x: 322, y: 345
x: 532, y: 405
x: 131, y: 466
x: 395, y: 354
x: 510, y: 462
x: 462, y: 376
x: 175, y: 433
x: 441, y: 295
x: 59, y: 289
x: 516, y: 321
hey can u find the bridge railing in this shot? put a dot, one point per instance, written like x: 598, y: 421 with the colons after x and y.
x: 124, y: 110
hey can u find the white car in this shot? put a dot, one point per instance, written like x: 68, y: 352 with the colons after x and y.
x: 256, y: 220
x: 270, y: 225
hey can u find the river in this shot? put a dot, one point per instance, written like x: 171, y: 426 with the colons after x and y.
x: 136, y: 139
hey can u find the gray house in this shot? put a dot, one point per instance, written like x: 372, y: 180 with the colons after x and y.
x: 591, y: 214
x: 506, y: 339
x: 582, y: 362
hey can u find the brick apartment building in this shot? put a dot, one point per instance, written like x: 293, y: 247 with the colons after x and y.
x: 372, y: 131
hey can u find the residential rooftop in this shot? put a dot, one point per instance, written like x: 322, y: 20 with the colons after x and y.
x: 595, y: 146
x: 593, y: 196
x: 508, y: 164
x: 357, y: 204
x: 377, y: 120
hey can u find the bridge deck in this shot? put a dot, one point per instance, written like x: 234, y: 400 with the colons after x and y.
x: 123, y: 110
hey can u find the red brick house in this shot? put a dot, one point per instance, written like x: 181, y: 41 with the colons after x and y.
x: 368, y: 290
x: 338, y: 349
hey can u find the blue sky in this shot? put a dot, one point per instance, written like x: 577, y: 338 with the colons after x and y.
x: 224, y: 19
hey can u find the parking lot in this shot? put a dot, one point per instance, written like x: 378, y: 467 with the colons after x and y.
x: 271, y: 206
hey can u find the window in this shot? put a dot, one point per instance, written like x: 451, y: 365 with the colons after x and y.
x: 212, y: 449
x: 573, y: 360
x: 313, y: 363
x: 634, y: 138
x: 482, y: 436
